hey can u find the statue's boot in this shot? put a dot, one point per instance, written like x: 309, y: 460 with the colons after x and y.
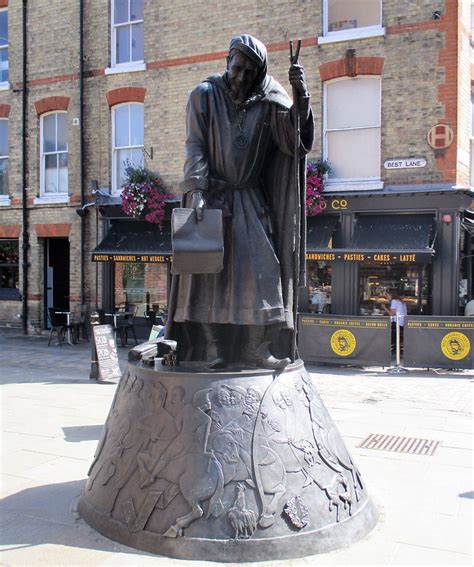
x: 214, y: 350
x: 259, y: 351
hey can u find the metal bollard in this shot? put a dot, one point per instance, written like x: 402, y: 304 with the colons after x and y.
x: 94, y: 373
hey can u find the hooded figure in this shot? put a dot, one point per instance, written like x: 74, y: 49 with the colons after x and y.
x: 239, y: 158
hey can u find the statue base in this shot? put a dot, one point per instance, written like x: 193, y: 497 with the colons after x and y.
x: 235, y: 465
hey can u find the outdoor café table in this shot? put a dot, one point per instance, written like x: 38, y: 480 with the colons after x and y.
x: 116, y: 316
x: 68, y: 322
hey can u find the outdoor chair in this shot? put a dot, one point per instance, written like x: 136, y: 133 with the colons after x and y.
x: 150, y: 317
x: 79, y: 322
x: 126, y: 323
x: 58, y: 325
x: 101, y: 314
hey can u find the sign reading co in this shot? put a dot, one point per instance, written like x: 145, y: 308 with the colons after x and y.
x: 335, y: 204
x: 440, y: 136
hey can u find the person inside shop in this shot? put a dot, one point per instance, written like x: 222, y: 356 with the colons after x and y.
x: 397, y: 310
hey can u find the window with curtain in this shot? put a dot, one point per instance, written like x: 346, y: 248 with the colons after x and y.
x: 3, y: 46
x: 54, y: 154
x: 127, y: 140
x: 352, y: 137
x: 351, y: 19
x: 3, y: 156
x: 127, y: 32
x: 343, y: 15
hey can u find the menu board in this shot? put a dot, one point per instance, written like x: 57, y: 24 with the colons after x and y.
x: 106, y: 349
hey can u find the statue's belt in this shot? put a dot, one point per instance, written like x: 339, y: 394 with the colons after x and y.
x: 219, y: 185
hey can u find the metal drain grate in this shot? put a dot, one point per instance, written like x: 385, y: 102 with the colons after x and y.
x: 412, y: 445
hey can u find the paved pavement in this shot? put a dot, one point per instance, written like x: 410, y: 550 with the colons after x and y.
x: 52, y: 415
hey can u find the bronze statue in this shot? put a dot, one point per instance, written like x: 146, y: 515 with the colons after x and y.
x: 240, y: 158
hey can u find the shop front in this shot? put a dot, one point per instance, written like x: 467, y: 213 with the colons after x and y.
x: 363, y: 245
x: 136, y: 256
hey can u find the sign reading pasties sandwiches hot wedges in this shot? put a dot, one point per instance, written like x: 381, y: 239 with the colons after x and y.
x: 439, y: 342
x: 347, y: 340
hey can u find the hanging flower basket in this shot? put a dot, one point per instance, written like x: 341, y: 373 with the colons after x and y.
x: 315, y: 170
x: 144, y: 194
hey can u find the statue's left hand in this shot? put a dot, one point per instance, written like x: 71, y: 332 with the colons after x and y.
x: 297, y: 79
x: 198, y: 204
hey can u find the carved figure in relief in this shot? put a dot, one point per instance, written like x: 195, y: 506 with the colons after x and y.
x: 299, y: 454
x: 338, y: 497
x: 121, y: 458
x: 161, y: 429
x: 193, y: 438
x: 331, y: 448
x: 176, y: 400
x: 242, y: 519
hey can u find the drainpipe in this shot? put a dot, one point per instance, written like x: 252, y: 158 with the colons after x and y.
x: 81, y: 148
x: 25, y: 235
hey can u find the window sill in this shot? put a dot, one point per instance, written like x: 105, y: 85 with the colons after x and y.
x: 8, y: 294
x: 5, y: 86
x: 344, y: 185
x: 5, y: 201
x: 348, y: 35
x: 51, y: 199
x: 126, y: 68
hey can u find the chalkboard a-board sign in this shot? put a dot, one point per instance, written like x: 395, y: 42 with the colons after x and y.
x: 107, y: 356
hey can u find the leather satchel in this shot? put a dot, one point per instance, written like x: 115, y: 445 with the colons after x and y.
x: 198, y: 246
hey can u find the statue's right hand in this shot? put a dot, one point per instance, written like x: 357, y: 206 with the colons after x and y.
x: 198, y: 204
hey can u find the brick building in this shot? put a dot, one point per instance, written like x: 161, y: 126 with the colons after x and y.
x: 86, y: 84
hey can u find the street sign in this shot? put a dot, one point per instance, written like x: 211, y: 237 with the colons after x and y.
x: 404, y: 163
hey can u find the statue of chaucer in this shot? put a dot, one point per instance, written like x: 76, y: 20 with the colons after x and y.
x: 240, y: 158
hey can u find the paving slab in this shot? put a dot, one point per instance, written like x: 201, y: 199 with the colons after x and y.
x: 52, y: 416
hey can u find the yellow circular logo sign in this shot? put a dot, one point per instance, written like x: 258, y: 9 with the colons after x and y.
x: 455, y: 346
x: 343, y: 342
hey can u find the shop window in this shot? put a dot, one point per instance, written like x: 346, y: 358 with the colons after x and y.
x: 127, y: 140
x: 143, y: 285
x: 352, y: 134
x: 471, y: 171
x: 9, y: 269
x: 345, y: 20
x: 54, y: 155
x: 127, y: 32
x: 4, y: 48
x: 319, y: 286
x: 411, y: 281
x: 3, y: 156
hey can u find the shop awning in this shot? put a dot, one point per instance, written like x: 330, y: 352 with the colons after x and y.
x: 393, y: 238
x: 320, y: 230
x: 135, y: 241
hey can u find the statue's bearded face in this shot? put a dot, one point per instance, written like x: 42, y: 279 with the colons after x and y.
x: 241, y: 73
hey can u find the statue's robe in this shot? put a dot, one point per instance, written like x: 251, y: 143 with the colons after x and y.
x: 256, y: 189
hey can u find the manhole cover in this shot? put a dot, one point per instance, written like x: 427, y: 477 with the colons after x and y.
x: 412, y: 445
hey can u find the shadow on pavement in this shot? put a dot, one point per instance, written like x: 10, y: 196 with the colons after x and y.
x: 46, y: 515
x: 82, y: 433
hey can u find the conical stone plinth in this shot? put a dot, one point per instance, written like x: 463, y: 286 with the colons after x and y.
x: 239, y: 465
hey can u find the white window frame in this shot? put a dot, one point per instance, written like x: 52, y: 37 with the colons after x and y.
x: 5, y: 85
x: 45, y: 198
x: 129, y: 66
x: 350, y: 183
x: 348, y: 35
x: 116, y: 190
x: 5, y: 199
